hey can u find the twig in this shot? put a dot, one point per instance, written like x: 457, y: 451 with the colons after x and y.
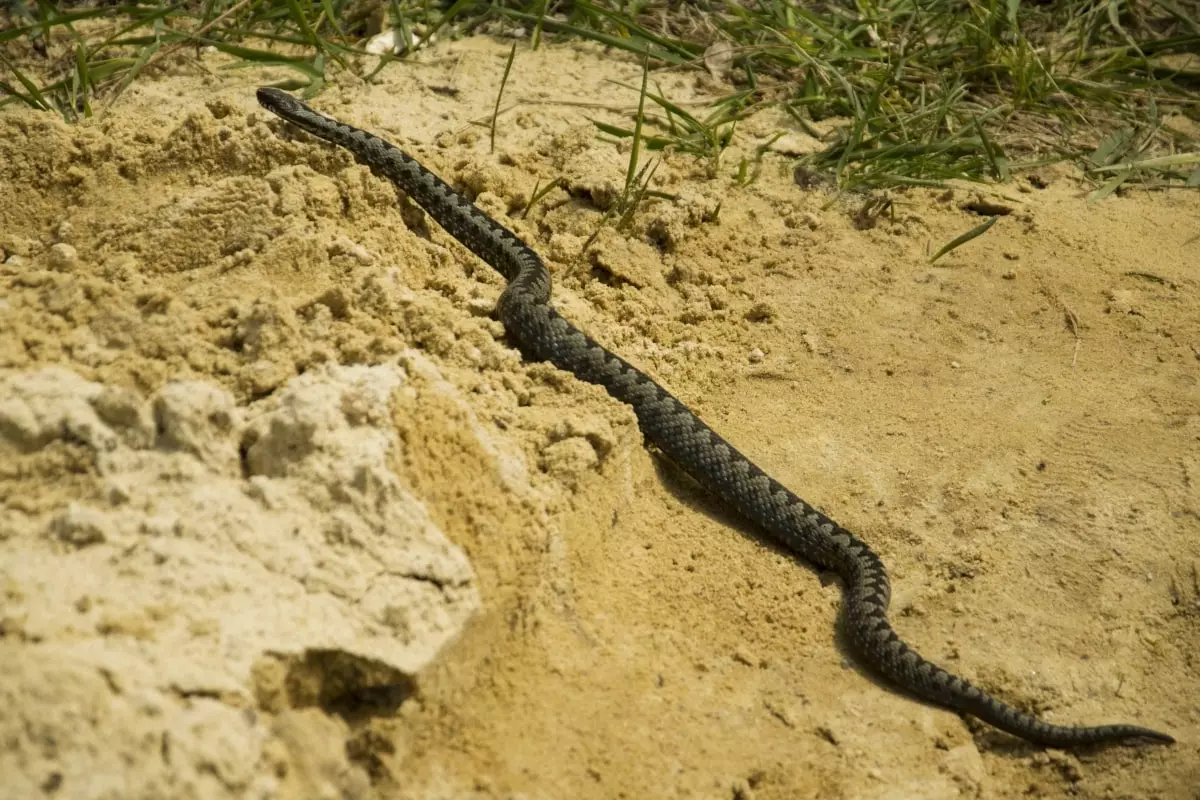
x: 1072, y: 321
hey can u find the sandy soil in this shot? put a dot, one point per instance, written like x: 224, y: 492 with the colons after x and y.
x: 285, y: 515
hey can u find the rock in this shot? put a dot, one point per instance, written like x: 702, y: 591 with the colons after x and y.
x: 63, y: 257
x: 197, y: 586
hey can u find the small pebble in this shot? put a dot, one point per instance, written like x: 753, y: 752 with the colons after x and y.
x: 344, y: 245
x: 756, y: 356
x: 63, y: 256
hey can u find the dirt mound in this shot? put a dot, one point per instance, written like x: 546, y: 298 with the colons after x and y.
x: 247, y: 403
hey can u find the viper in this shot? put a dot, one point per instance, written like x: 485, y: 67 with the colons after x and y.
x: 542, y: 334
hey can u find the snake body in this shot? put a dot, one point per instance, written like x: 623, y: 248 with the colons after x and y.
x: 542, y: 334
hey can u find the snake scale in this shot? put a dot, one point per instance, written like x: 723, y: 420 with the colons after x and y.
x: 542, y: 334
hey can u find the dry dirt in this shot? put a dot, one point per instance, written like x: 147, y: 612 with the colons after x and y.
x: 283, y: 514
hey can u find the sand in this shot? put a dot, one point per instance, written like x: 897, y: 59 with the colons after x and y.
x: 283, y: 514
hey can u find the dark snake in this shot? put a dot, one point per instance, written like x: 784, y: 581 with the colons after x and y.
x: 542, y: 334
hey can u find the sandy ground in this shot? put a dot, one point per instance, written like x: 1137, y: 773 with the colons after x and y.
x: 285, y: 515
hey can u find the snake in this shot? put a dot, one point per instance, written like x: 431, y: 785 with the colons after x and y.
x: 542, y: 334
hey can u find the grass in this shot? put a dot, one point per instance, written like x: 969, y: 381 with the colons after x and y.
x: 960, y: 240
x: 897, y: 92
x: 512, y: 54
x: 637, y: 181
x: 683, y: 132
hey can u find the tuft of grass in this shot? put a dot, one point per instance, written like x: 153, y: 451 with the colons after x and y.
x: 904, y: 93
x: 684, y: 132
x: 637, y: 177
x: 637, y: 183
x: 896, y: 92
x: 112, y: 46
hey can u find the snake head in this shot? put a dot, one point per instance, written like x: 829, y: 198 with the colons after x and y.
x: 278, y: 101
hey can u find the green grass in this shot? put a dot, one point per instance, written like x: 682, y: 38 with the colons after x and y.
x: 961, y: 239
x: 897, y: 92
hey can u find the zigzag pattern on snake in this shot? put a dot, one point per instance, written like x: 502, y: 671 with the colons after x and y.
x: 543, y: 335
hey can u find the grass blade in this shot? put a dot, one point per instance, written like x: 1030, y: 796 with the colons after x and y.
x: 34, y: 97
x: 1159, y: 162
x: 503, y: 82
x: 959, y: 241
x: 1110, y: 186
x: 637, y: 127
